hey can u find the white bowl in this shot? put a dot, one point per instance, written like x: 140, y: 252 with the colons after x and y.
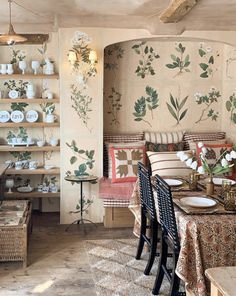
x: 40, y: 143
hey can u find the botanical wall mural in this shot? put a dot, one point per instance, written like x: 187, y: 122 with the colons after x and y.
x: 146, y: 104
x: 207, y: 101
x: 84, y: 157
x: 146, y: 56
x: 180, y: 61
x: 112, y: 56
x: 175, y: 90
x: 231, y: 107
x: 207, y: 60
x: 176, y: 107
x: 114, y: 106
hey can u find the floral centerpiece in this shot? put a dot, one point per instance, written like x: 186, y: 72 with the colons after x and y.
x: 222, y: 165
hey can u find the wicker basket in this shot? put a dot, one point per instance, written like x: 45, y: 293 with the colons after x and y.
x: 14, y: 238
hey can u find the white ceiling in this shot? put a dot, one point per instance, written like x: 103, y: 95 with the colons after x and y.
x: 206, y: 15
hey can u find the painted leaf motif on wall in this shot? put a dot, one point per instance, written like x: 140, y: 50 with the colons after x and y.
x: 147, y: 56
x: 231, y: 107
x: 175, y: 107
x: 208, y: 60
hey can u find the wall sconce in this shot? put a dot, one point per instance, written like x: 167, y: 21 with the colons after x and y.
x: 83, y: 64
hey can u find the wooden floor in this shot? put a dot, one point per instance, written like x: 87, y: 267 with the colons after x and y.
x: 58, y: 263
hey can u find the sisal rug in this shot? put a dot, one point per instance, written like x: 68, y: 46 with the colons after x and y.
x: 115, y: 270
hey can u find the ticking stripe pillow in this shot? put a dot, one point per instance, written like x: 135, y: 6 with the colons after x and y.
x: 201, y: 137
x: 117, y: 138
x: 168, y: 164
x: 164, y: 138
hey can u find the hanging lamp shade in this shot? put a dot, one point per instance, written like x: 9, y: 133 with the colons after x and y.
x: 11, y: 37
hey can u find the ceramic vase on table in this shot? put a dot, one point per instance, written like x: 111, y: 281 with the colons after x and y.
x: 210, y: 186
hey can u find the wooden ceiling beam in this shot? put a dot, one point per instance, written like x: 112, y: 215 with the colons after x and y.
x: 177, y: 10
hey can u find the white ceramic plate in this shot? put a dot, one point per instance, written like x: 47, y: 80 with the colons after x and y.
x: 198, y: 202
x: 4, y: 116
x: 25, y: 189
x: 173, y: 182
x: 17, y: 116
x: 13, y: 94
x: 32, y: 116
x: 218, y: 181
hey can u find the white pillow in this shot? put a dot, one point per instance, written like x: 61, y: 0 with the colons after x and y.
x: 168, y: 164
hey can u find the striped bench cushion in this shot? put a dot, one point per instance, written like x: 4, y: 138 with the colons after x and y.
x: 168, y: 164
x: 164, y: 137
x: 117, y: 203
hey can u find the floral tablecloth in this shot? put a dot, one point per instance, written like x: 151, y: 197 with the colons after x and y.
x: 206, y: 241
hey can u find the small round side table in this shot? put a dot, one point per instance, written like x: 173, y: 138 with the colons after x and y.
x: 80, y: 180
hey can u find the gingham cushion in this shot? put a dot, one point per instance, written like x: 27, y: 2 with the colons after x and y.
x: 168, y: 164
x: 164, y: 137
x: 201, y: 137
x: 113, y: 138
x: 115, y: 203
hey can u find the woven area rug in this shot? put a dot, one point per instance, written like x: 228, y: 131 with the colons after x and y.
x: 115, y: 270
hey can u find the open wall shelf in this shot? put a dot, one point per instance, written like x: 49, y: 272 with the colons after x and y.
x: 28, y: 101
x: 29, y: 124
x: 40, y: 171
x: 29, y: 76
x: 8, y: 148
x: 33, y: 194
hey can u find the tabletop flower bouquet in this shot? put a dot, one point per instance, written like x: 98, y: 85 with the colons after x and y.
x: 200, y: 165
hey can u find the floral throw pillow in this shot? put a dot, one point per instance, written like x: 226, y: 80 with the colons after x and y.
x: 156, y: 147
x: 125, y: 163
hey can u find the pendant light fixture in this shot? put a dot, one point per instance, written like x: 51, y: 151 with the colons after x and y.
x: 11, y: 37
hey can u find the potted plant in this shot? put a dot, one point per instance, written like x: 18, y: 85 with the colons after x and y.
x: 48, y: 109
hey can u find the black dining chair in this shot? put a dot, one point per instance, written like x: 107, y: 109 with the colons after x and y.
x: 148, y: 217
x: 169, y: 239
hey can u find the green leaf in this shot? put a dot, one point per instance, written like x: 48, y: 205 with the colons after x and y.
x: 204, y: 75
x: 73, y: 159
x: 203, y: 66
x: 135, y: 46
x: 172, y: 112
x: 228, y: 105
x: 138, y: 119
x: 173, y: 102
x: 81, y: 151
x: 171, y: 66
x: 173, y: 57
x: 211, y: 60
x: 182, y: 103
x: 201, y: 52
x: 146, y: 50
x: 234, y: 118
x: 183, y: 114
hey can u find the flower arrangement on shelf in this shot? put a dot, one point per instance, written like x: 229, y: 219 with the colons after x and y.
x: 221, y: 166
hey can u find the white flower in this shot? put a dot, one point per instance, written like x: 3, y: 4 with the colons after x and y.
x: 228, y: 157
x: 233, y: 154
x: 201, y: 170
x: 189, y: 162
x: 180, y: 153
x: 183, y: 157
x: 201, y: 44
x: 224, y: 162
x: 194, y: 165
x: 209, y: 49
x: 204, y: 150
x: 200, y: 144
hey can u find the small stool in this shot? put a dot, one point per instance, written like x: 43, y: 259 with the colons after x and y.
x: 223, y: 280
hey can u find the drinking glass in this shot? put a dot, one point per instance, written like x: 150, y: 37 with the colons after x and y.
x: 35, y: 65
x: 22, y: 66
x: 226, y: 187
x: 9, y: 184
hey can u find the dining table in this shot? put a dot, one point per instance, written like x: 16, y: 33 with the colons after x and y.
x: 207, y: 235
